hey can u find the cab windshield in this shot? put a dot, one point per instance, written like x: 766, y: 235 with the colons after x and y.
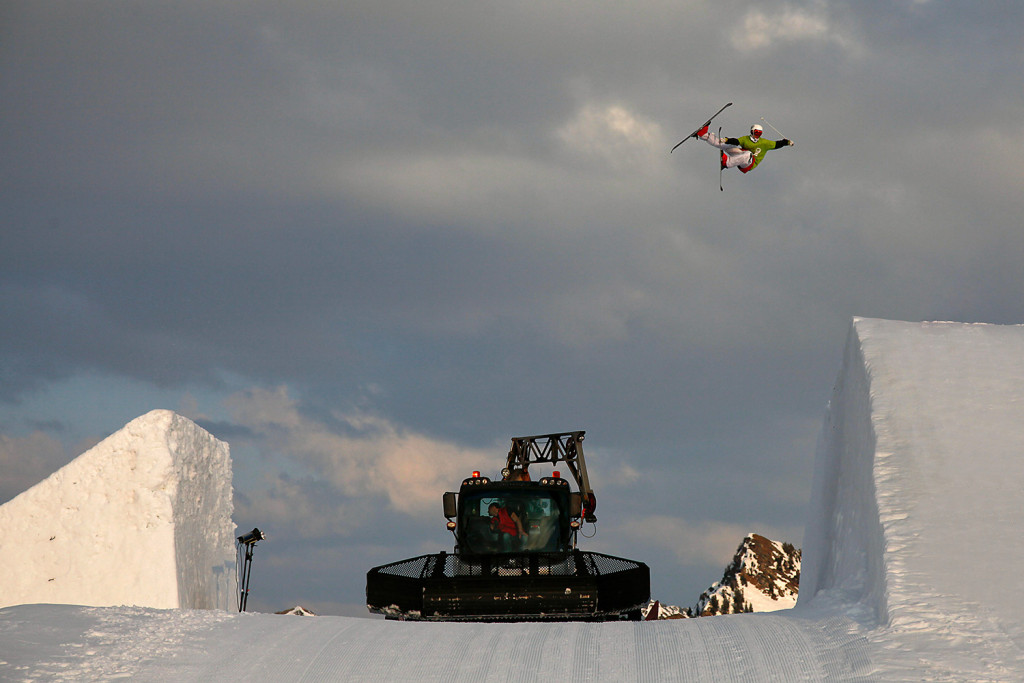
x: 512, y: 521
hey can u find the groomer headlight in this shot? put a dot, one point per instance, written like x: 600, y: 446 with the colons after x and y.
x: 252, y: 537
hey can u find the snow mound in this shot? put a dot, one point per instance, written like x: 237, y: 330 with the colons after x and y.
x: 917, y: 498
x: 298, y: 610
x: 143, y: 518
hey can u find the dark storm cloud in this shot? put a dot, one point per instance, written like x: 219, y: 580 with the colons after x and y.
x: 172, y: 199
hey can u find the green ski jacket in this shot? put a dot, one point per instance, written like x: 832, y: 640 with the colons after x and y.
x: 756, y: 148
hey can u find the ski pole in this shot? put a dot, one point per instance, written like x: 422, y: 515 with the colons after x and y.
x: 774, y: 128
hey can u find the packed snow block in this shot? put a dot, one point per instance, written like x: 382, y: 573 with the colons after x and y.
x: 843, y: 540
x: 918, y: 498
x: 143, y: 518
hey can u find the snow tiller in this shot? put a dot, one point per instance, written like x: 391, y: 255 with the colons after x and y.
x: 515, y: 556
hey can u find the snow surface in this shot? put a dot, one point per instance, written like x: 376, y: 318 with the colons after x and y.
x: 918, y: 496
x: 910, y: 566
x: 142, y: 518
x: 42, y: 642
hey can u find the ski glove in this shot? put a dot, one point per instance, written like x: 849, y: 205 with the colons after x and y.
x: 785, y: 143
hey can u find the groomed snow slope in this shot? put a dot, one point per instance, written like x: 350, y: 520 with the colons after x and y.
x: 142, y: 518
x: 179, y: 645
x: 911, y: 560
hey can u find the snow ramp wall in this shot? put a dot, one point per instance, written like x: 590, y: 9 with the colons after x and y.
x: 143, y: 518
x: 917, y: 496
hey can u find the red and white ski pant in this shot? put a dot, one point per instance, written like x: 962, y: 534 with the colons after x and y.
x: 731, y: 154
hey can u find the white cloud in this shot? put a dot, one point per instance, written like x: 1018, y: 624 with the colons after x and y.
x: 708, y: 542
x: 463, y: 187
x: 613, y: 133
x: 374, y: 458
x: 762, y: 30
x: 492, y: 187
x: 302, y: 505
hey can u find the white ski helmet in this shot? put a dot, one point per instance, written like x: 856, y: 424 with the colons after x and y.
x: 755, y: 131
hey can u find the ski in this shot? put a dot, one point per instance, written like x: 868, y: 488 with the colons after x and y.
x: 706, y: 123
x: 721, y: 166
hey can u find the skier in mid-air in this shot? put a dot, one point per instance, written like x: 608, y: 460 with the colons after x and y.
x: 745, y: 152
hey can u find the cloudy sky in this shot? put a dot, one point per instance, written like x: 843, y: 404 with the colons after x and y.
x: 367, y: 242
